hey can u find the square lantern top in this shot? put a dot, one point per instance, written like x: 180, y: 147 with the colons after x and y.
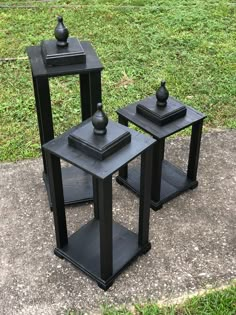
x: 160, y: 131
x: 39, y: 68
x: 99, y: 168
x: 99, y: 146
x: 72, y: 54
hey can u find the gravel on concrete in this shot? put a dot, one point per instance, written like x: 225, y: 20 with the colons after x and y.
x: 193, y: 238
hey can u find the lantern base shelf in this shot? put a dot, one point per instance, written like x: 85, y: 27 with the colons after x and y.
x: 77, y: 186
x: 83, y: 251
x: 173, y: 182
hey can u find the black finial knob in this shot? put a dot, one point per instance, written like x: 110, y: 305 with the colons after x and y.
x: 61, y: 33
x: 99, y: 121
x: 162, y: 95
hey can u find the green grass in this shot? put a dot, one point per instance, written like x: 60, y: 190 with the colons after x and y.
x: 191, y: 44
x: 222, y: 302
x: 217, y: 302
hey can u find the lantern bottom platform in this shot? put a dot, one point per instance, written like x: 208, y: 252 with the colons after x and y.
x: 77, y: 186
x: 83, y: 250
x: 173, y: 182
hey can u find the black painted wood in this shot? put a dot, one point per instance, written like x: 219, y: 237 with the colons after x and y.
x: 158, y: 156
x: 102, y: 248
x: 96, y: 90
x: 72, y: 54
x: 194, y: 150
x: 105, y: 221
x: 85, y: 96
x: 160, y: 115
x: 163, y: 189
x: 129, y: 113
x: 123, y: 170
x: 99, y: 146
x: 44, y: 113
x: 77, y: 185
x: 162, y: 95
x: 91, y: 94
x: 39, y: 68
x: 101, y: 169
x: 145, y: 196
x: 83, y: 251
x: 55, y: 180
x: 173, y: 182
x: 38, y: 109
x: 100, y: 121
x: 95, y: 197
x: 61, y: 33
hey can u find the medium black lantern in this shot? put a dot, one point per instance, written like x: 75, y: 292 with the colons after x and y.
x: 59, y: 57
x: 101, y: 248
x: 161, y: 116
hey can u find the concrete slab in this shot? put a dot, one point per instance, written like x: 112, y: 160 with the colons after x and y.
x: 193, y: 238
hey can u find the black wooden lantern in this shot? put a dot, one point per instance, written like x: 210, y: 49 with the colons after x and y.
x: 101, y: 248
x: 161, y: 116
x: 59, y: 57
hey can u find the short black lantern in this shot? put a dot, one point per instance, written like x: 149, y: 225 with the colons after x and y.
x: 161, y: 116
x: 59, y: 57
x: 101, y: 248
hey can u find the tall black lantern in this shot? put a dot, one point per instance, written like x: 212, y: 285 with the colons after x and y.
x: 59, y: 57
x: 161, y: 116
x: 102, y: 248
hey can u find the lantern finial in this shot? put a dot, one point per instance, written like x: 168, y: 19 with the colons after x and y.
x: 162, y: 95
x: 61, y: 33
x: 99, y: 121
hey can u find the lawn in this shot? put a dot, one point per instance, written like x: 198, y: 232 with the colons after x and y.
x: 190, y: 44
x: 222, y: 302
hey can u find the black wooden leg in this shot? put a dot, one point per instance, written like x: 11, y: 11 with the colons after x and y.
x: 39, y: 120
x: 123, y: 171
x: 145, y: 194
x: 85, y: 95
x: 158, y: 155
x: 57, y: 198
x: 45, y: 121
x: 194, y: 150
x: 105, y: 219
x: 95, y: 90
x: 90, y: 93
x: 95, y: 198
x: 44, y: 112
